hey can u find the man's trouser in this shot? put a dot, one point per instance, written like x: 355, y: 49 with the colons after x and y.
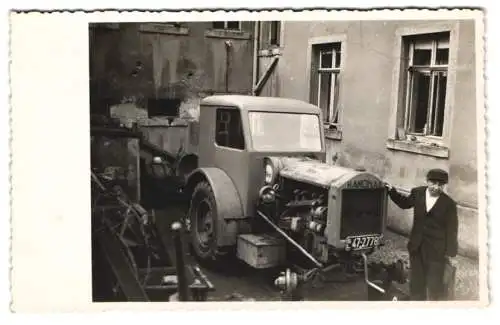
x: 426, y: 276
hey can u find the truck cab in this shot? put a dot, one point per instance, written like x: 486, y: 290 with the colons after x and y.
x: 237, y: 132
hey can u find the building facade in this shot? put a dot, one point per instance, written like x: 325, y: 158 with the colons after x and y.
x: 165, y: 68
x: 398, y: 98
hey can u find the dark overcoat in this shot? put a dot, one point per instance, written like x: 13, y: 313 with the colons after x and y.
x: 435, y: 232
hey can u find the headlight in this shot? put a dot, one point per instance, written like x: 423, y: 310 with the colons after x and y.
x: 269, y: 173
x: 272, y: 167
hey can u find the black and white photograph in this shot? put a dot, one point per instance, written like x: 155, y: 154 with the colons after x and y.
x: 243, y: 158
x: 284, y: 160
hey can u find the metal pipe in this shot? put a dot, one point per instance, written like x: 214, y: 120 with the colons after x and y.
x: 293, y: 242
x: 371, y: 284
x: 228, y: 45
x: 182, y: 286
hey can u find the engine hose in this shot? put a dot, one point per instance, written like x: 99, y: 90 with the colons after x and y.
x: 293, y: 242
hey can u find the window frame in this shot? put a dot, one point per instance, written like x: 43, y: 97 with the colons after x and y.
x: 226, y: 23
x: 224, y: 33
x: 430, y: 69
x: 278, y: 33
x: 313, y: 45
x: 397, y: 138
x: 241, y: 127
x: 334, y: 72
x: 265, y: 35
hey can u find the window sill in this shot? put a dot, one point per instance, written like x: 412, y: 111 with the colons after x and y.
x: 427, y: 149
x: 226, y: 33
x: 333, y: 134
x: 163, y: 29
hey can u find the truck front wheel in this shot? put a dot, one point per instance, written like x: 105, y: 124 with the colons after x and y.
x: 203, y: 222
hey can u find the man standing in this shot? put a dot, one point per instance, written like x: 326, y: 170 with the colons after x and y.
x: 433, y: 239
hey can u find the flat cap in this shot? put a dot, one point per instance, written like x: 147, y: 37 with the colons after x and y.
x: 437, y: 175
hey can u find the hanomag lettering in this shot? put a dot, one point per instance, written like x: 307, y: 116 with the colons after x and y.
x: 363, y: 183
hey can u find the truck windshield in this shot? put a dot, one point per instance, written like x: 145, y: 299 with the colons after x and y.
x: 285, y: 132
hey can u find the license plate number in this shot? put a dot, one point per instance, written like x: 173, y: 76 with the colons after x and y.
x: 362, y: 242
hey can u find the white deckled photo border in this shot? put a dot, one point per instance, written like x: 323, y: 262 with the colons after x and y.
x: 50, y: 187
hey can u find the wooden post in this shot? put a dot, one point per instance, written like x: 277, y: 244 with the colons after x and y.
x: 182, y: 286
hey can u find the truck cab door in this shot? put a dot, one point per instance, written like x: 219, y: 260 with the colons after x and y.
x: 231, y: 154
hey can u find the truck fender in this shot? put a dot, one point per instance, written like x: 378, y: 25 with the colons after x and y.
x: 186, y: 165
x: 228, y: 203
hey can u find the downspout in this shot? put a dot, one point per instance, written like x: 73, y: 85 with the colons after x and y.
x: 228, y: 46
x: 255, y: 74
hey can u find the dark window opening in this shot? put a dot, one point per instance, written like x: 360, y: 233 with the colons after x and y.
x: 326, y: 68
x: 218, y: 25
x: 442, y: 56
x: 167, y: 107
x: 440, y: 81
x: 422, y: 57
x: 228, y: 129
x: 233, y: 25
x: 230, y: 25
x: 275, y: 33
x: 421, y: 98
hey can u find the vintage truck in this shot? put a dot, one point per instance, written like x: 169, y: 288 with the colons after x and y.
x: 257, y: 186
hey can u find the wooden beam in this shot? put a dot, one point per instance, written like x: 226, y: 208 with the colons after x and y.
x: 257, y: 88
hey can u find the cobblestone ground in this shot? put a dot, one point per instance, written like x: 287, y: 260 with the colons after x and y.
x: 467, y: 280
x: 237, y: 281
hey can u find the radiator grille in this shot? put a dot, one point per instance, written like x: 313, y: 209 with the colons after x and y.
x: 362, y: 212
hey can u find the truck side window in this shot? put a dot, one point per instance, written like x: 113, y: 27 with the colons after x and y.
x: 228, y: 129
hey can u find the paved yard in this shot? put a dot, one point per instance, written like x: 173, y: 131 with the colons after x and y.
x: 239, y: 281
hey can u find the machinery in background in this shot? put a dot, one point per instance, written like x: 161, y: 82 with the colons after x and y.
x: 129, y: 259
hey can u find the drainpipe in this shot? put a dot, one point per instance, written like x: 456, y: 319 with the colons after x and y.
x: 228, y: 44
x: 255, y: 74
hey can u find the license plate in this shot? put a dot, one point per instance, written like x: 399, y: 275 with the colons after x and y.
x: 362, y: 242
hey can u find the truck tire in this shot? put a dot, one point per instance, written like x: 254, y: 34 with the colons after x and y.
x: 203, y: 223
